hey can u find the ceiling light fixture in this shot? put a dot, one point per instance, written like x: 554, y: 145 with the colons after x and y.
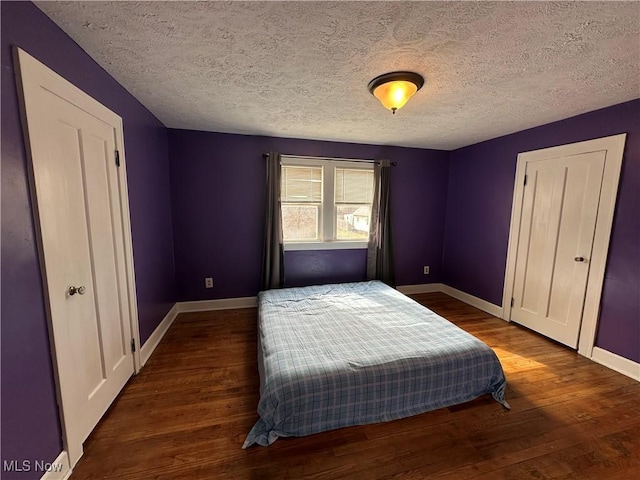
x: 395, y: 88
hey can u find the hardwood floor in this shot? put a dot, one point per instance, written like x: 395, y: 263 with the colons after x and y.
x: 187, y: 413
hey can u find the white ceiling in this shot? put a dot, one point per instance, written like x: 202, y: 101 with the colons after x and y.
x: 301, y: 69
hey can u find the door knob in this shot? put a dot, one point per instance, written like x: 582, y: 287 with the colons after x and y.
x: 79, y: 290
x: 579, y: 259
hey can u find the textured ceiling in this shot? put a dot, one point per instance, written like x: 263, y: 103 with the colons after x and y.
x: 300, y: 69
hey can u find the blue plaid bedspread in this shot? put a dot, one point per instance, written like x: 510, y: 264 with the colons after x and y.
x: 332, y: 356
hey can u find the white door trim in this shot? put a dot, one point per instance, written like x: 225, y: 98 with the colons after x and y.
x: 614, y: 146
x: 31, y: 74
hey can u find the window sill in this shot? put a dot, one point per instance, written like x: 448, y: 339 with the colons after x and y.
x: 325, y: 246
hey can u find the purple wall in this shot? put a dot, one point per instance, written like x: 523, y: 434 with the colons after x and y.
x: 325, y: 266
x: 480, y: 193
x: 30, y: 427
x: 217, y: 191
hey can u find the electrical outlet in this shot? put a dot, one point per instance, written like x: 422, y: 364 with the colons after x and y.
x: 426, y: 270
x: 208, y: 282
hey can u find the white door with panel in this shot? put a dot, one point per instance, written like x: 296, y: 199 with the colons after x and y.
x: 78, y: 185
x: 559, y: 212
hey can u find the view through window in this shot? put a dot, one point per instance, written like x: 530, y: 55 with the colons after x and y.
x: 353, y: 197
x: 301, y: 202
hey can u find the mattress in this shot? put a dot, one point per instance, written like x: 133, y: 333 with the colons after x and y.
x: 333, y: 356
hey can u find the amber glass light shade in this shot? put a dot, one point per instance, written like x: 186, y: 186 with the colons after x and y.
x: 394, y: 89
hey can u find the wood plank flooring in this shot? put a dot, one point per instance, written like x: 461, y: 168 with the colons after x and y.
x: 187, y: 413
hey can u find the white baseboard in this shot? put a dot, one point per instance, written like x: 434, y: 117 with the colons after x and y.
x: 608, y: 359
x: 152, y: 342
x: 182, y: 307
x: 59, y: 469
x: 603, y: 357
x: 616, y: 362
x: 421, y: 288
x: 222, y: 304
x: 483, y: 305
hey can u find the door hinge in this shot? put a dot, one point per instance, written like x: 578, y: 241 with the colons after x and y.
x: 117, y: 158
x: 512, y: 301
x: 133, y: 346
x: 525, y: 180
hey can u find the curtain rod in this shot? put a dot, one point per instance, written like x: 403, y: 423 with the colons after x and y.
x: 335, y: 159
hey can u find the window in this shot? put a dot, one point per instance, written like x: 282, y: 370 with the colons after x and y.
x: 301, y: 203
x: 325, y: 203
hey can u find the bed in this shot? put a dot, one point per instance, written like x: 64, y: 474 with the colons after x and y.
x: 332, y: 356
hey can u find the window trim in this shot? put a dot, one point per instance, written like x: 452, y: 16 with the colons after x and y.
x: 328, y: 245
x: 327, y: 211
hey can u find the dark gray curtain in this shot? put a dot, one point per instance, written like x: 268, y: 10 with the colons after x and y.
x: 380, y: 248
x: 273, y: 255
